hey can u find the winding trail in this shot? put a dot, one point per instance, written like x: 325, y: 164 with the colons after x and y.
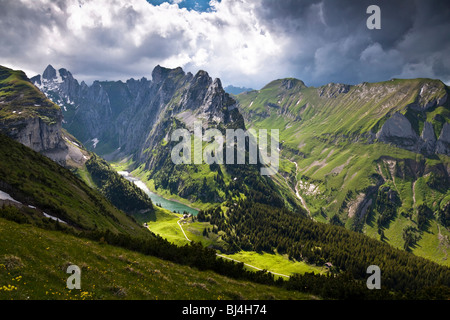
x: 183, y: 230
x: 225, y: 257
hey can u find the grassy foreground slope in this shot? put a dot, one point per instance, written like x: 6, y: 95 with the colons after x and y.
x: 34, y: 261
x: 35, y: 180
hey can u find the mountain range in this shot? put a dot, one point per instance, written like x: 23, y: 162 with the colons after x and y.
x: 134, y: 120
x: 372, y: 159
x: 344, y: 148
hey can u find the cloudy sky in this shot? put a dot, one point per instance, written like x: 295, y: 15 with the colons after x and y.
x: 243, y: 42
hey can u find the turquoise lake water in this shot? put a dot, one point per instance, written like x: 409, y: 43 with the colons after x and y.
x: 158, y: 200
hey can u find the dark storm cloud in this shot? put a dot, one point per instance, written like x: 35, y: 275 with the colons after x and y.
x: 330, y: 40
x: 22, y: 32
x: 22, y: 25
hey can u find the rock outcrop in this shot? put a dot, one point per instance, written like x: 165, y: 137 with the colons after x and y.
x: 443, y: 143
x: 397, y: 130
x: 28, y: 117
x: 428, y: 139
x: 35, y: 133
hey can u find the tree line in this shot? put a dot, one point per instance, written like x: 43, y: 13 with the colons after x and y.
x: 122, y: 193
x: 334, y: 285
x: 262, y: 228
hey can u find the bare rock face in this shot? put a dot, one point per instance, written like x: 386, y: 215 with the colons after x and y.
x: 428, y: 139
x: 397, y: 130
x: 120, y: 115
x: 430, y: 95
x: 49, y: 73
x: 332, y: 90
x: 37, y: 134
x: 40, y: 135
x: 443, y: 143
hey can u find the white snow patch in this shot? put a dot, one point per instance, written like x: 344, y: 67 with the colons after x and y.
x: 58, y: 78
x: 5, y: 196
x: 95, y: 141
x: 54, y: 218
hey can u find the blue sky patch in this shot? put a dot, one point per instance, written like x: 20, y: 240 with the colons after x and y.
x: 197, y: 5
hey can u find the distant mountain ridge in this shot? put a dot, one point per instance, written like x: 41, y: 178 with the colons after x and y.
x: 236, y: 90
x: 345, y: 149
x: 89, y: 110
x: 390, y: 111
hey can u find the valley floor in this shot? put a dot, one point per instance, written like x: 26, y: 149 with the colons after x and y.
x: 175, y: 229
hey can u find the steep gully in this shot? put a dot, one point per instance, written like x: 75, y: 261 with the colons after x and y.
x: 297, y: 193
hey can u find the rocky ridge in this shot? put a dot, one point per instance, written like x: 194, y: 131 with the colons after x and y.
x: 118, y: 116
x: 28, y: 117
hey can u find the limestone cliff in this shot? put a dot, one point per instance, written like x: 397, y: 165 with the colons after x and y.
x: 27, y: 116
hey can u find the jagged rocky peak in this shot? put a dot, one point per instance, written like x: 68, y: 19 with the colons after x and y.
x: 217, y: 86
x: 207, y: 96
x: 65, y: 74
x: 49, y: 73
x: 201, y: 80
x: 159, y: 74
x: 61, y: 83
